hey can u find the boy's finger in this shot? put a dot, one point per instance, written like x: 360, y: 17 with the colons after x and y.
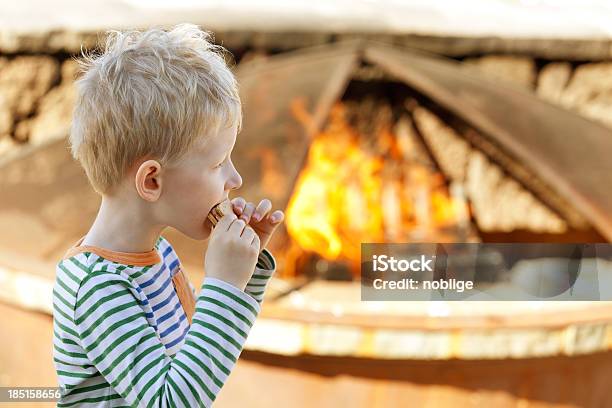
x: 238, y: 203
x: 262, y: 209
x: 225, y: 221
x: 277, y: 216
x: 237, y: 226
x: 247, y: 212
x: 247, y: 233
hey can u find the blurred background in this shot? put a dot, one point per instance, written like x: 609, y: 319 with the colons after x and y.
x: 366, y: 121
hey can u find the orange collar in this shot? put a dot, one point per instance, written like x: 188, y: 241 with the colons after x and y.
x: 128, y: 258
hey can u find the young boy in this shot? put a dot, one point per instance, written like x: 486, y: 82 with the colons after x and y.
x: 154, y: 126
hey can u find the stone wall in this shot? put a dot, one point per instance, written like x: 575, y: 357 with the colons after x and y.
x: 585, y: 88
x: 37, y: 95
x: 37, y: 90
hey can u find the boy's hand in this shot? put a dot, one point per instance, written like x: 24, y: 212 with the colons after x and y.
x: 259, y: 218
x: 232, y: 252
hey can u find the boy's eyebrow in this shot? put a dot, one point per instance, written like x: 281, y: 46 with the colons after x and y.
x: 219, y: 153
x: 227, y: 149
x: 217, y: 146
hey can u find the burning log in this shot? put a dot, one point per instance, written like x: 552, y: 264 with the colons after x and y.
x: 499, y: 202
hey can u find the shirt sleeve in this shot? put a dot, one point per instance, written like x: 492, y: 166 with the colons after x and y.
x: 264, y: 269
x: 126, y: 350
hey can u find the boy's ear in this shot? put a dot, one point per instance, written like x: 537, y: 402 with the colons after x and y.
x: 148, y: 180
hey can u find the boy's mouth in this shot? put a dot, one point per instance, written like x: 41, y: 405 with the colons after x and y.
x: 218, y: 211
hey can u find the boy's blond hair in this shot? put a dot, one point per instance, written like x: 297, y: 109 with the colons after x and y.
x: 151, y: 93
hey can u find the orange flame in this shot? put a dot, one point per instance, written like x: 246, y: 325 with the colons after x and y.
x: 347, y: 194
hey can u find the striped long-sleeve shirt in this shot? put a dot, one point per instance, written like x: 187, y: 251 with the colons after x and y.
x: 121, y: 337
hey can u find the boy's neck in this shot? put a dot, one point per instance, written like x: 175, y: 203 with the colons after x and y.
x: 121, y: 227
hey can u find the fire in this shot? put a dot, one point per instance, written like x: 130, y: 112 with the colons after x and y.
x: 347, y: 194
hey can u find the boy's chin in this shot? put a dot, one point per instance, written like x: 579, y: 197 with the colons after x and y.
x: 200, y: 234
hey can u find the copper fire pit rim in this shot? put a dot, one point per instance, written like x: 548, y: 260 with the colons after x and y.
x: 601, y: 313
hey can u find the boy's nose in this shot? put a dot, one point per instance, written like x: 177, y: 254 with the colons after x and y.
x: 235, y: 181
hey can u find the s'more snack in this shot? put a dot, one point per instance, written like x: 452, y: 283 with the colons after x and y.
x: 219, y: 210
